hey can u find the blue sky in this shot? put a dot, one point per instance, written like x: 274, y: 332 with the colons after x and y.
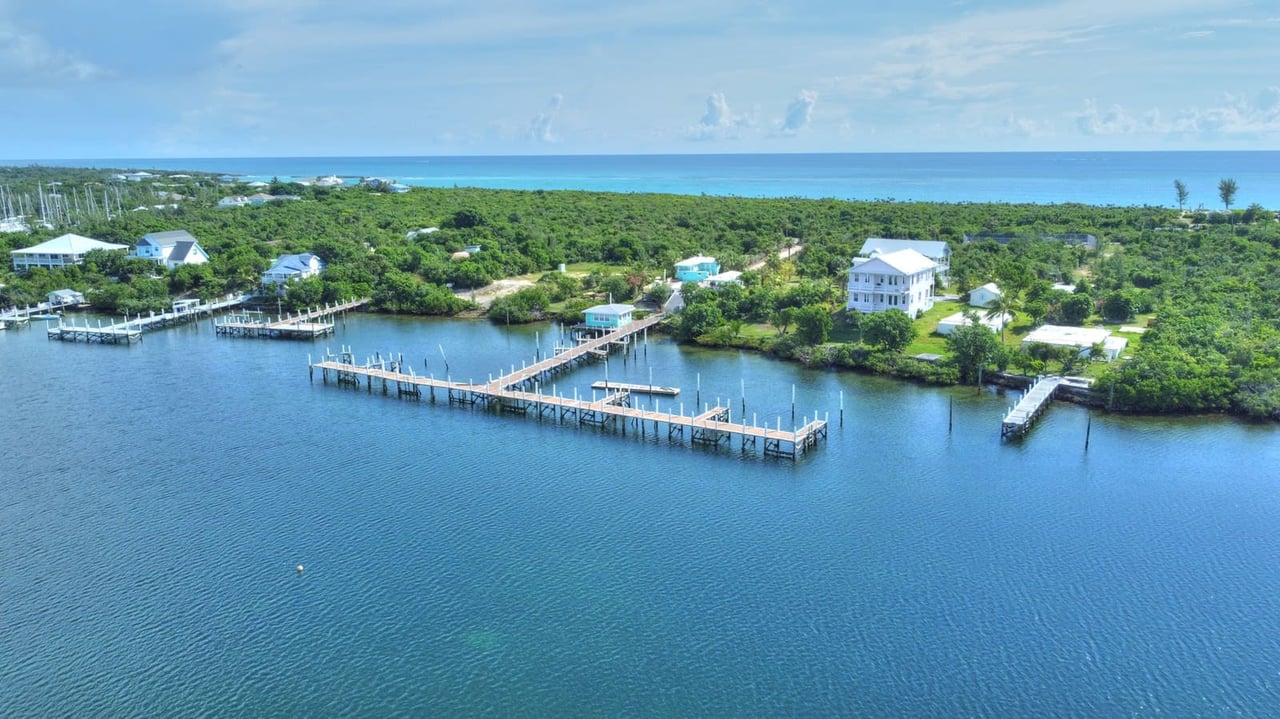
x: 159, y: 78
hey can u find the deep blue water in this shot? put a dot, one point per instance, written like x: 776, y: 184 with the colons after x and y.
x: 1100, y: 178
x: 155, y: 499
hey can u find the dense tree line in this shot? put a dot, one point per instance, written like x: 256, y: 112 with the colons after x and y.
x: 1213, y: 285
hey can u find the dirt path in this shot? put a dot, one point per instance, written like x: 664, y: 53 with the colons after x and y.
x: 484, y: 296
x: 783, y: 254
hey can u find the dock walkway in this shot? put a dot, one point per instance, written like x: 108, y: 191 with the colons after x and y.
x: 130, y: 330
x: 315, y: 322
x: 713, y: 427
x: 1033, y: 403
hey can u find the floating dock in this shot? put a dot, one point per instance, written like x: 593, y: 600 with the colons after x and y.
x: 1033, y: 403
x: 130, y: 330
x: 309, y: 325
x: 521, y: 392
x: 637, y: 388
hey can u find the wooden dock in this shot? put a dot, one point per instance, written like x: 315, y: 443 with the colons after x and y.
x: 1033, y: 403
x: 316, y: 322
x: 637, y: 388
x: 511, y: 393
x: 130, y: 330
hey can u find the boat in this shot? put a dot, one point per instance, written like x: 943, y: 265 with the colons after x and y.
x: 637, y: 388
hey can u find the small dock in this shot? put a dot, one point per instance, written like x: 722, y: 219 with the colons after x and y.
x: 1033, y: 403
x: 130, y: 330
x: 521, y: 392
x: 308, y: 325
x: 636, y: 388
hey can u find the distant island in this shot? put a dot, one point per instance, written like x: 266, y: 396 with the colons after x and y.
x: 1174, y: 311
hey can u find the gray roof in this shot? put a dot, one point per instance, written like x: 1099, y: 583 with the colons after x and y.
x: 294, y: 263
x: 928, y: 248
x: 168, y: 238
x: 182, y: 250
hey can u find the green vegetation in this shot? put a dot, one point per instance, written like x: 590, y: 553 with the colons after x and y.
x: 1206, y: 284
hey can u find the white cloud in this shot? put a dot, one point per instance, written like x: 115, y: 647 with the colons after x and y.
x: 718, y: 122
x: 27, y: 58
x: 1236, y: 115
x: 1114, y: 121
x: 540, y: 126
x: 799, y: 113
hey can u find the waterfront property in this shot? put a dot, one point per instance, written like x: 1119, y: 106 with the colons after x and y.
x: 288, y: 268
x: 61, y: 251
x: 612, y: 316
x: 1021, y: 416
x: 1083, y: 339
x: 697, y: 269
x: 65, y: 298
x: 172, y: 248
x: 936, y: 250
x: 130, y: 330
x: 901, y: 280
x: 313, y: 323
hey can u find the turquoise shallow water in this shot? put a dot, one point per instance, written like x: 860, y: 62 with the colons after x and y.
x: 155, y: 499
x: 1099, y: 178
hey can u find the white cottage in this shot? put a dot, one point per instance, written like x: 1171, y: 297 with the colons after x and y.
x: 292, y: 267
x: 984, y: 296
x: 1081, y: 338
x: 901, y: 280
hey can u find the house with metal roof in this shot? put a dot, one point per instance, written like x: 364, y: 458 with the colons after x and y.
x: 901, y: 280
x: 68, y: 249
x: 608, y: 317
x: 66, y: 297
x: 985, y: 295
x: 697, y: 269
x: 288, y: 268
x: 1081, y: 338
x: 936, y: 250
x: 172, y: 248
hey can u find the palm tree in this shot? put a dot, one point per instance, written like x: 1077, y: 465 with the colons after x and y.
x: 1004, y: 303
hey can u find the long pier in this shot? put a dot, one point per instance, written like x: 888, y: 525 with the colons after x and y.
x: 1033, y: 403
x: 21, y: 316
x: 313, y: 323
x: 130, y: 330
x: 511, y: 393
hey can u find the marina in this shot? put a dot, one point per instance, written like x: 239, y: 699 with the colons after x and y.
x: 523, y: 392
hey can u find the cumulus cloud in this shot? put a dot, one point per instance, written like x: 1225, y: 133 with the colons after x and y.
x: 540, y: 126
x: 718, y: 122
x: 1236, y: 115
x: 799, y: 113
x: 27, y: 58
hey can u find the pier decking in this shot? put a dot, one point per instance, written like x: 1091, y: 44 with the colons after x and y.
x: 130, y: 331
x: 1020, y: 418
x: 313, y: 323
x: 637, y: 388
x: 512, y: 393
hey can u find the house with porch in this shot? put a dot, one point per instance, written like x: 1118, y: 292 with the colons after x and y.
x: 936, y: 250
x: 697, y: 269
x: 901, y: 280
x: 65, y: 298
x: 608, y: 317
x: 288, y: 268
x: 171, y: 249
x: 62, y: 251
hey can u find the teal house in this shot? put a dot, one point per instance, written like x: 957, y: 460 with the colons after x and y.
x: 608, y: 317
x: 696, y: 269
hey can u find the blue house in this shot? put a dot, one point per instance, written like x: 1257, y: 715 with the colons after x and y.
x: 696, y: 269
x: 608, y: 317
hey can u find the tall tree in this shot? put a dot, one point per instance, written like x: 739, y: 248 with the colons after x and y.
x: 1227, y: 192
x: 1005, y: 303
x: 1180, y: 187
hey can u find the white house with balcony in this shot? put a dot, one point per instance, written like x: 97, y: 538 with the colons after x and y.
x: 171, y: 249
x: 292, y: 267
x: 901, y: 280
x: 68, y: 249
x: 936, y: 250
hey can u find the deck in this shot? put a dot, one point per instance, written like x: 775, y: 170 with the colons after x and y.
x: 130, y: 330
x: 308, y: 325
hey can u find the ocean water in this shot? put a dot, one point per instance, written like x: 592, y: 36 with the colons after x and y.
x: 155, y: 500
x: 1099, y: 178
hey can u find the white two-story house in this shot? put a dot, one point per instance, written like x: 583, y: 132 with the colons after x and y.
x: 901, y: 280
x: 936, y: 250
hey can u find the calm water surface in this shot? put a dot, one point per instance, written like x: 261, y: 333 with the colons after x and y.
x: 155, y: 499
